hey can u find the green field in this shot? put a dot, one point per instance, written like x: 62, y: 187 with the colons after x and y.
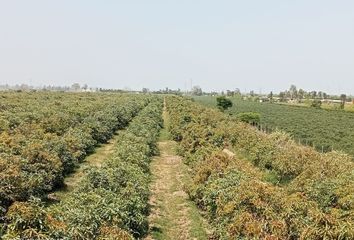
x: 318, y: 127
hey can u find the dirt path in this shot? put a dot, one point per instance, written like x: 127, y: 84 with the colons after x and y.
x: 173, y: 215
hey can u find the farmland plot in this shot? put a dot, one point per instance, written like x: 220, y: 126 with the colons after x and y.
x: 323, y: 129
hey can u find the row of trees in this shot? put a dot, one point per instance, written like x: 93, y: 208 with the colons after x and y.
x: 197, y: 91
x: 299, y: 94
x: 294, y: 93
x: 75, y: 87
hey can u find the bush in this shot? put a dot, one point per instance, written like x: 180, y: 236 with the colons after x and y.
x: 316, y: 103
x: 223, y: 103
x: 249, y: 117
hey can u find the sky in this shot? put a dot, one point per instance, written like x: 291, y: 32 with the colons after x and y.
x: 217, y: 44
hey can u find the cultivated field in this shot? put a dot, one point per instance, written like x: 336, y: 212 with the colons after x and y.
x: 144, y: 166
x: 323, y: 129
x: 44, y: 136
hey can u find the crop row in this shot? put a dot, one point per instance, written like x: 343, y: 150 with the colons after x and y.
x: 111, y: 201
x: 272, y: 188
x: 323, y: 129
x: 47, y: 135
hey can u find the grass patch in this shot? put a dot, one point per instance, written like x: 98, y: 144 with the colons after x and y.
x: 164, y: 135
x: 95, y: 159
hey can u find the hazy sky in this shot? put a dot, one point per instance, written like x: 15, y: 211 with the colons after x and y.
x: 255, y: 44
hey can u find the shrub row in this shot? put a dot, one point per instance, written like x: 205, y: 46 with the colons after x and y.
x: 37, y: 152
x: 111, y: 201
x: 310, y: 195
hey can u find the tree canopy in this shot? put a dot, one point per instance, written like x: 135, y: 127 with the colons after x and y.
x: 223, y: 103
